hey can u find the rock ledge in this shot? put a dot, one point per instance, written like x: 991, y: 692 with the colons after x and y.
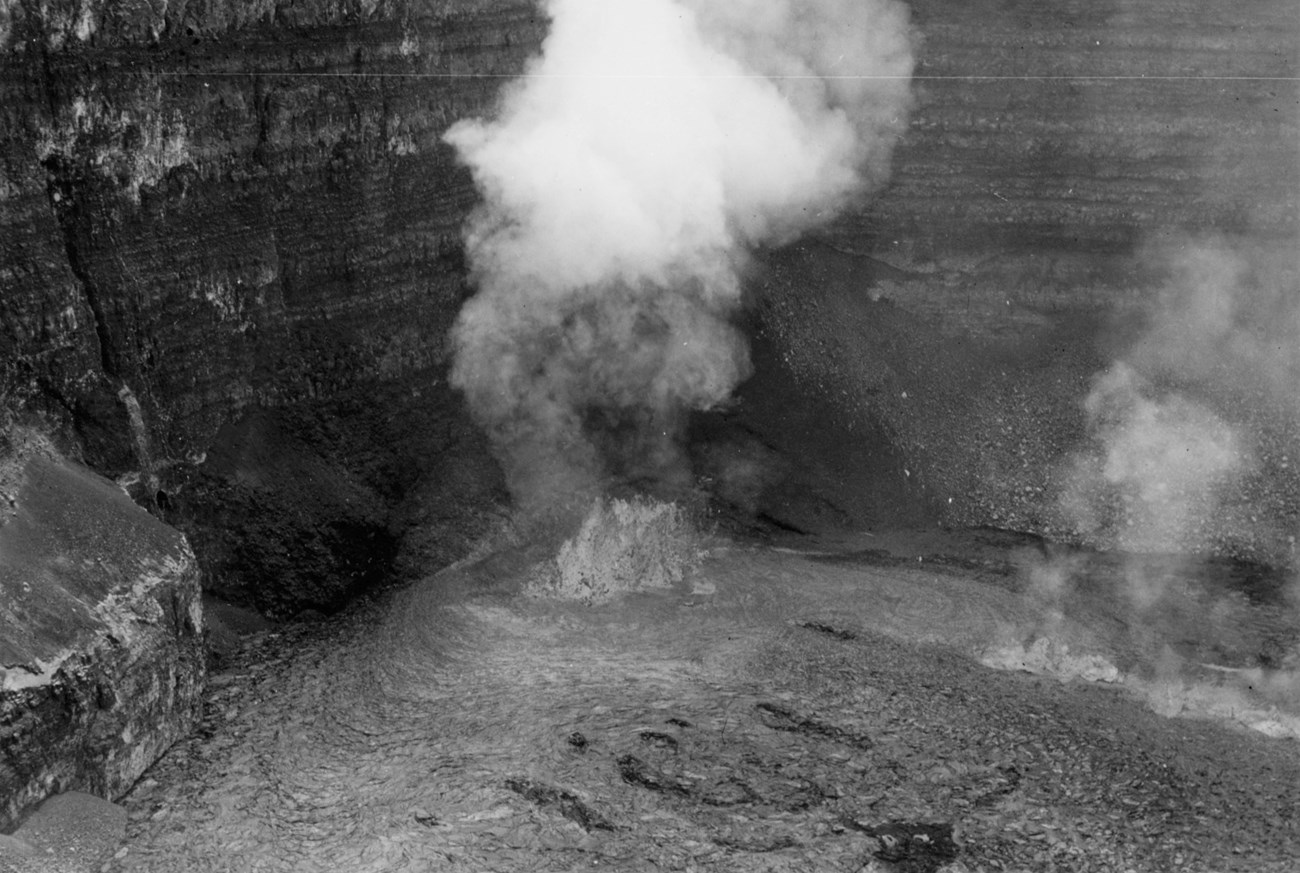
x: 101, y: 649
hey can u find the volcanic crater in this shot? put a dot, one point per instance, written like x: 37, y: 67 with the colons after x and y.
x: 496, y: 435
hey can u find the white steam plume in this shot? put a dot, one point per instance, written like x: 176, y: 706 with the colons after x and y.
x: 624, y: 178
x: 1203, y: 405
x: 1192, y: 431
x: 1163, y: 458
x: 1229, y: 322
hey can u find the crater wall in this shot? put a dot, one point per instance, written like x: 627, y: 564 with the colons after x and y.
x: 230, y: 253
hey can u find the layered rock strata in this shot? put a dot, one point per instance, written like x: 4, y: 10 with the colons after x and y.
x: 223, y: 221
x: 101, y: 649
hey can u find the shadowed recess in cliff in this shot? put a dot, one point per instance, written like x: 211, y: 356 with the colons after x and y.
x: 624, y: 178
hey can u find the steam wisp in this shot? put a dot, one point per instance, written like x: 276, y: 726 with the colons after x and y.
x: 1195, y: 419
x: 624, y: 178
x: 1200, y: 416
x: 1162, y: 456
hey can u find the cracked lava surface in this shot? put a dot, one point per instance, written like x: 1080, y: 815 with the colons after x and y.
x: 781, y: 711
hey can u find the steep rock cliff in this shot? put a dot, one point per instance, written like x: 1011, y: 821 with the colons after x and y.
x: 232, y: 209
x: 231, y: 251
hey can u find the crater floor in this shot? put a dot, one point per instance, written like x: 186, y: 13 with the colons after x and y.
x: 784, y: 710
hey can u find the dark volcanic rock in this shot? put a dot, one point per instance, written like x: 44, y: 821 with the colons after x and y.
x: 211, y: 211
x: 217, y: 215
x: 282, y: 527
x: 101, y: 651
x: 915, y: 848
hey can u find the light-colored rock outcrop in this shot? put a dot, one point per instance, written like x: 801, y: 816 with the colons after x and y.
x: 101, y: 655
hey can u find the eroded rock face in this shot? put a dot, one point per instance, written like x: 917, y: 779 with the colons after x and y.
x: 222, y: 215
x: 225, y: 219
x: 101, y: 650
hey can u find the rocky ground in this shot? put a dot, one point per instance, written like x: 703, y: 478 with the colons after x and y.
x: 778, y: 710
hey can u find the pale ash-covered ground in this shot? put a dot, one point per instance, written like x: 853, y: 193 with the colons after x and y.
x: 776, y: 711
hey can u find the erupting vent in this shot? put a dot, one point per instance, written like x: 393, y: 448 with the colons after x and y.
x: 623, y: 545
x: 626, y: 178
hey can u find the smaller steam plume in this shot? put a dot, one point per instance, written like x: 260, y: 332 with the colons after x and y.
x: 1228, y: 322
x: 1200, y: 416
x: 1192, y: 432
x: 1161, y: 459
x: 624, y: 178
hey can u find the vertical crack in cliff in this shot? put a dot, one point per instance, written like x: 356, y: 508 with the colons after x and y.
x: 36, y: 37
x: 262, y: 112
x: 68, y: 194
x: 60, y: 190
x: 64, y: 205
